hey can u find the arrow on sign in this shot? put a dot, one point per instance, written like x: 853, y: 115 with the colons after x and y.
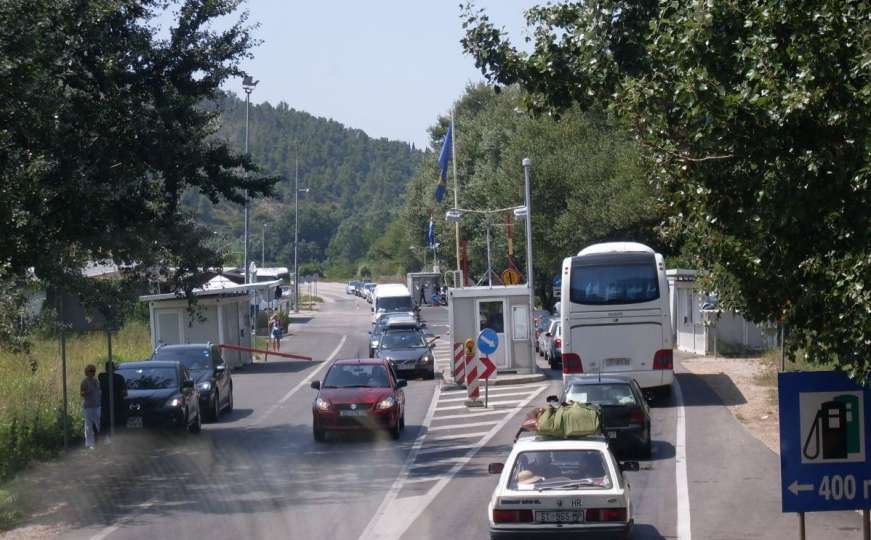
x: 795, y: 487
x: 489, y: 368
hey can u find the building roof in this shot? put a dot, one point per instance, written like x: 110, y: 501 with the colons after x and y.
x: 217, y: 286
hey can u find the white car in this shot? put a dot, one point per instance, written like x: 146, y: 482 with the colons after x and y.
x: 561, y: 487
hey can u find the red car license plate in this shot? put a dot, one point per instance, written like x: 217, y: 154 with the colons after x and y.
x: 352, y: 413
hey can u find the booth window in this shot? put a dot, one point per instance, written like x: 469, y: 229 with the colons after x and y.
x: 520, y: 321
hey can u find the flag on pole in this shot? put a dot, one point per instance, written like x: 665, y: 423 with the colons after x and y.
x: 430, y: 235
x: 444, y: 159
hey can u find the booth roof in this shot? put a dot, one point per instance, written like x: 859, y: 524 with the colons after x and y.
x: 217, y: 286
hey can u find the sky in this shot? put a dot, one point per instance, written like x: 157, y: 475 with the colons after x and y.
x: 388, y: 67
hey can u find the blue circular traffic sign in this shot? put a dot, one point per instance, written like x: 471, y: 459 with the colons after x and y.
x: 488, y: 341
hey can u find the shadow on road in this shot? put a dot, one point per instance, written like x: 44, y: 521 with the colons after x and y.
x: 275, y: 366
x: 646, y: 532
x: 711, y: 390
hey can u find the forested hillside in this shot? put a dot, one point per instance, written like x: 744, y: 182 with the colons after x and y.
x: 354, y: 184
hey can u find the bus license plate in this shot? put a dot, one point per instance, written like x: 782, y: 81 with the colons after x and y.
x: 561, y: 516
x: 134, y: 422
x: 617, y: 362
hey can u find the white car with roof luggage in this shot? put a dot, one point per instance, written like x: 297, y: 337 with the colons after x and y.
x: 561, y: 488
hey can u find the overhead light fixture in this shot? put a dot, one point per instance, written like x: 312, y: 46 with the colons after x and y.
x: 453, y: 215
x: 520, y: 212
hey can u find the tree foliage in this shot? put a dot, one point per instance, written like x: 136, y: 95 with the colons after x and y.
x: 587, y: 185
x: 754, y: 119
x: 101, y: 132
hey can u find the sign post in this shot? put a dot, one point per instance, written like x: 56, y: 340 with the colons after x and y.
x: 472, y: 389
x: 488, y: 342
x: 824, y: 443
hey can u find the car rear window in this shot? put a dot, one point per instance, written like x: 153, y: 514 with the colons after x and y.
x: 560, y: 470
x: 193, y: 359
x: 602, y: 394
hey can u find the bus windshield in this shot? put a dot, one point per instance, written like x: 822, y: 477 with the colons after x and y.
x: 615, y: 282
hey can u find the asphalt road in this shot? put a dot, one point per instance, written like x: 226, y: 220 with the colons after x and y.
x: 259, y: 474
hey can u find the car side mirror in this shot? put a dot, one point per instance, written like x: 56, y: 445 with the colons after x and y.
x: 549, y: 334
x: 629, y: 466
x: 401, y: 383
x: 316, y: 385
x: 495, y: 468
x: 187, y: 385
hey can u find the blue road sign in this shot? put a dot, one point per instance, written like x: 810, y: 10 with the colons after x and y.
x: 488, y: 341
x: 557, y: 281
x: 824, y: 442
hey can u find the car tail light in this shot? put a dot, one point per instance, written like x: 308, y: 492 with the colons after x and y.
x: 558, y: 343
x: 663, y: 359
x: 572, y: 363
x: 512, y: 516
x: 636, y: 416
x: 605, y: 514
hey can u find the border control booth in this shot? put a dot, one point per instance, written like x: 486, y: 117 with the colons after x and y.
x: 221, y: 315
x: 504, y: 309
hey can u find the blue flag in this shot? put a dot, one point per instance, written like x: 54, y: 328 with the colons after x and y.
x: 430, y: 235
x: 444, y: 160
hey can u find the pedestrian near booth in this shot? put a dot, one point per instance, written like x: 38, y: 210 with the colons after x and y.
x: 89, y: 389
x: 275, y: 332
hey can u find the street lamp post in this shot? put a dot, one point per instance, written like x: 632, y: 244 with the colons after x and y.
x: 248, y: 84
x: 263, y: 247
x: 529, y: 281
x: 296, y: 192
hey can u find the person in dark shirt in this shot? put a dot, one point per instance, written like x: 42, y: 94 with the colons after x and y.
x: 119, y: 390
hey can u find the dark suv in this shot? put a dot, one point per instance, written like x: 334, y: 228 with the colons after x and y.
x: 209, y: 372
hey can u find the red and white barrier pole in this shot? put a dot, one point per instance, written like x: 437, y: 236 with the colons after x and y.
x: 263, y: 351
x: 458, y: 364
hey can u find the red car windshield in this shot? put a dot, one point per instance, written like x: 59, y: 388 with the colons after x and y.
x: 356, y: 376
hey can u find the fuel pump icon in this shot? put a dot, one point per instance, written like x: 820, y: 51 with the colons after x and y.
x: 835, y: 430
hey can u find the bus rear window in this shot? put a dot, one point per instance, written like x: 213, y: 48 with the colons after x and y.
x: 627, y: 282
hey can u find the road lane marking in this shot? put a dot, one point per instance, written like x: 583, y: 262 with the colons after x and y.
x: 440, y: 449
x: 302, y: 383
x: 491, y: 394
x: 106, y: 531
x: 495, y: 388
x: 394, y: 516
x: 684, y: 529
x: 458, y: 436
x: 463, y: 426
x: 437, y: 462
x: 470, y: 414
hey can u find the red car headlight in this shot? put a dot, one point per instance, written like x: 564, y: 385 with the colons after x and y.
x: 322, y: 404
x: 386, y: 403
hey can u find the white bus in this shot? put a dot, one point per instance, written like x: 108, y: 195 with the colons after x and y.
x: 615, y: 314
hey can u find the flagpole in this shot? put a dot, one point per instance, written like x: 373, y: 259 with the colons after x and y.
x: 456, y: 193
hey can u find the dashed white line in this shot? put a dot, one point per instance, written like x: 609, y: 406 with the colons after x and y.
x: 491, y: 394
x: 468, y: 415
x: 302, y: 383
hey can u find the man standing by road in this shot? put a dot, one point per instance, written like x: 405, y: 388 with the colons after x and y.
x: 90, y: 392
x: 119, y: 394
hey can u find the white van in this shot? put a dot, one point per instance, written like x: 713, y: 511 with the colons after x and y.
x: 615, y: 314
x: 391, y: 298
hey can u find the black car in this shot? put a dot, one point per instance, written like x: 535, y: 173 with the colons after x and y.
x: 406, y: 348
x: 625, y: 413
x: 160, y: 395
x: 209, y: 371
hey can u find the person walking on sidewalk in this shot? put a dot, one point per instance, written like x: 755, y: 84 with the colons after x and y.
x: 90, y: 392
x: 275, y: 332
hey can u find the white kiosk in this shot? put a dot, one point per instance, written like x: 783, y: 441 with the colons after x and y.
x: 504, y: 309
x: 222, y: 316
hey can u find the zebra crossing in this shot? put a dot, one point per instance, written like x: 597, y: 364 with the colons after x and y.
x: 442, y: 353
x: 452, y: 435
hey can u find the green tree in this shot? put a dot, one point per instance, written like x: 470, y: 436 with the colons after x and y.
x: 754, y: 118
x: 102, y: 133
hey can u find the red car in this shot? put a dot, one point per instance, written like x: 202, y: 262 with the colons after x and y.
x: 359, y: 395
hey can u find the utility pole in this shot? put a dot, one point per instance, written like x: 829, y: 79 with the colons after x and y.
x: 295, y: 238
x: 529, y: 281
x: 248, y: 84
x: 263, y: 247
